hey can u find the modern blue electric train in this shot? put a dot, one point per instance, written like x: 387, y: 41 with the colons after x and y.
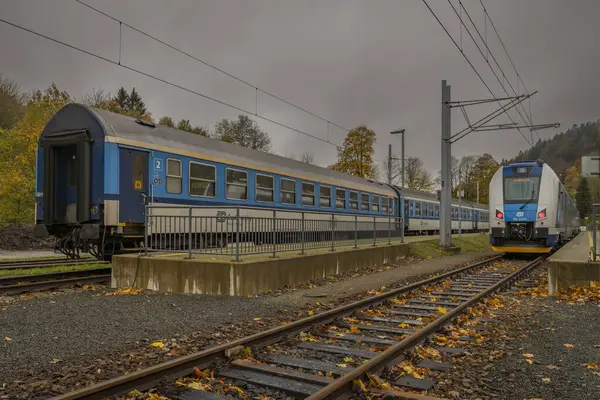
x: 530, y: 208
x: 97, y: 171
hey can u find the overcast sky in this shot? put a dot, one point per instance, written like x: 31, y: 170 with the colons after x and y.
x: 375, y: 62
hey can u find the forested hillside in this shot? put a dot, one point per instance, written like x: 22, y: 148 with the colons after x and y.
x: 563, y: 153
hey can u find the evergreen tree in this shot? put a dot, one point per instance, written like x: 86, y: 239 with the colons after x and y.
x: 122, y: 99
x: 583, y: 198
x: 135, y: 104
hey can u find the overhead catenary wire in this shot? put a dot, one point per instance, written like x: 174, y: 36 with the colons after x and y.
x: 206, y: 63
x: 148, y: 75
x: 486, y: 57
x: 487, y: 61
x: 470, y: 64
x: 487, y: 14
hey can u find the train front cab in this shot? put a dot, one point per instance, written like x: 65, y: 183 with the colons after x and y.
x: 520, y: 218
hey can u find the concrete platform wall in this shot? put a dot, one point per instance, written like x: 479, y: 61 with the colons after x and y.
x: 571, y: 265
x: 202, y: 276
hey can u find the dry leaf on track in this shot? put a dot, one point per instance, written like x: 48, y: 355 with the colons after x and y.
x: 568, y: 346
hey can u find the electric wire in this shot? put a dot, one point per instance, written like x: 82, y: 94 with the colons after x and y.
x: 470, y: 63
x: 206, y: 63
x: 490, y: 53
x: 156, y: 78
x: 492, y: 69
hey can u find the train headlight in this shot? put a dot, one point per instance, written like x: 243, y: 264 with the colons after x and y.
x: 542, y: 214
x: 499, y: 214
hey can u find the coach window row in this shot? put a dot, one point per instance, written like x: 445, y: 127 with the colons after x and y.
x: 203, y: 183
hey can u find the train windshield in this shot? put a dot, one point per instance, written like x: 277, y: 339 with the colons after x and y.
x: 521, y: 189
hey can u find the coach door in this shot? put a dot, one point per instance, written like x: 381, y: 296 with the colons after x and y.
x: 133, y: 185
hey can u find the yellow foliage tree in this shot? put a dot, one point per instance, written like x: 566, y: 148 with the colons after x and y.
x: 17, y: 154
x: 356, y: 156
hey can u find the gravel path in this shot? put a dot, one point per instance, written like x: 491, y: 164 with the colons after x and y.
x: 57, y: 335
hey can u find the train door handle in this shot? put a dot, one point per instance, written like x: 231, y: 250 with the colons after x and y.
x: 144, y: 198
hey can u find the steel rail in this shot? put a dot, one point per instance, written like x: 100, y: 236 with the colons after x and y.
x: 30, y: 283
x: 342, y: 387
x: 148, y: 377
x: 25, y: 264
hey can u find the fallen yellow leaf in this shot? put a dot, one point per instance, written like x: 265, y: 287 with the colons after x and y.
x: 528, y: 355
x: 257, y: 319
x: 158, y: 344
x: 591, y: 366
x: 442, y: 310
x: 7, y: 338
x: 529, y: 361
x: 546, y: 380
x: 568, y: 346
x: 310, y: 312
x: 348, y: 359
x: 342, y: 365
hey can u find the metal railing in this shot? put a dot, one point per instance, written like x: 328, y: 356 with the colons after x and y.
x: 237, y: 231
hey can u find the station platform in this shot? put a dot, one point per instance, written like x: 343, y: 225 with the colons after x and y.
x: 255, y: 273
x: 574, y: 264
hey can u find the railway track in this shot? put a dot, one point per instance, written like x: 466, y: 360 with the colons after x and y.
x: 46, y: 262
x: 34, y: 283
x: 324, y: 355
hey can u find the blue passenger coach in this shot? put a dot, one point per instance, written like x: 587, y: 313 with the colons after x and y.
x: 96, y: 171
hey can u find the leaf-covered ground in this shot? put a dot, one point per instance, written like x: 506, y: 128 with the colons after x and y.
x: 540, y: 348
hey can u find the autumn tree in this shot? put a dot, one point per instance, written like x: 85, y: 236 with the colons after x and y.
x: 356, y: 155
x: 417, y: 177
x: 185, y: 125
x: 244, y: 132
x: 17, y: 153
x: 166, y: 121
x: 12, y: 104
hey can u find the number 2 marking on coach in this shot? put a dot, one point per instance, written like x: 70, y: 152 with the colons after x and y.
x: 158, y: 164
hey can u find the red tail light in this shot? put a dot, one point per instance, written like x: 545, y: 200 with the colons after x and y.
x: 542, y: 214
x: 499, y: 214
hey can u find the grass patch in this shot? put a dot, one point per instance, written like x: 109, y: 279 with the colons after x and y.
x: 49, y: 270
x: 473, y: 243
x: 468, y: 244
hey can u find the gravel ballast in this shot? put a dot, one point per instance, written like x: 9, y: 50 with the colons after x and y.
x: 536, y: 348
x: 87, y: 334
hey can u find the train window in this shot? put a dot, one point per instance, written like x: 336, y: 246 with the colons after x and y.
x: 354, y: 200
x: 391, y: 205
x: 384, y: 204
x: 264, y: 188
x: 437, y: 211
x: 411, y: 212
x: 453, y: 212
x: 418, y: 208
x: 287, y: 191
x: 340, y: 198
x: 72, y: 170
x: 364, y: 201
x: 376, y: 202
x: 203, y: 179
x: 237, y: 184
x: 308, y: 194
x: 173, y: 176
x: 325, y: 196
